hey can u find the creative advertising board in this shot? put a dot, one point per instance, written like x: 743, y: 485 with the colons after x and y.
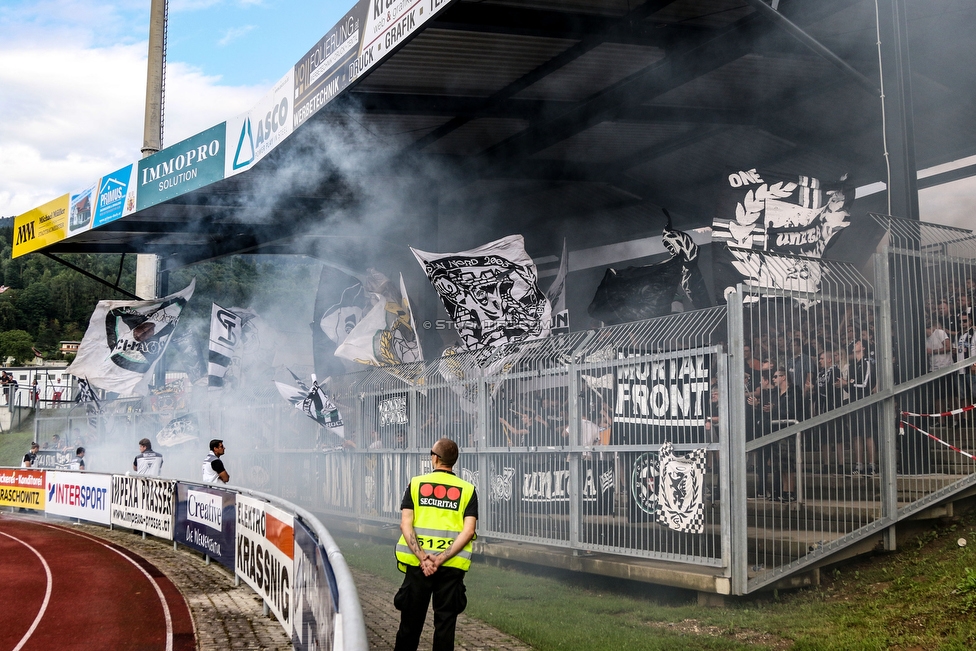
x: 23, y: 489
x: 205, y: 521
x: 265, y: 552
x: 144, y: 504
x: 79, y: 495
x: 315, y: 596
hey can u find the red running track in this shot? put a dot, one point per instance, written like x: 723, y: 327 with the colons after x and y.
x: 63, y: 589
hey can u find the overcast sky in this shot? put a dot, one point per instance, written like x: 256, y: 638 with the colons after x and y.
x: 73, y: 77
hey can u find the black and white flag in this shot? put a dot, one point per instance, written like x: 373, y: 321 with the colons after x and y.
x: 559, y: 324
x: 225, y: 339
x: 767, y: 212
x: 178, y: 430
x: 681, y: 494
x: 86, y: 393
x: 124, y: 341
x: 314, y: 403
x: 649, y: 291
x: 340, y: 303
x: 491, y: 294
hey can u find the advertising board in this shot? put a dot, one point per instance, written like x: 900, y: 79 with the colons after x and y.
x: 144, y: 504
x: 22, y: 489
x: 250, y: 136
x: 315, y: 595
x: 79, y: 495
x: 41, y: 226
x: 116, y: 196
x: 265, y: 552
x: 205, y: 521
x: 185, y: 166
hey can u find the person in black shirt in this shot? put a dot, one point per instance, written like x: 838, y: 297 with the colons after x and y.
x: 785, y: 411
x: 861, y: 382
x: 827, y: 396
x: 31, y: 457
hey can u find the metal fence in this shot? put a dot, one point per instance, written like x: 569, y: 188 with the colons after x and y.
x: 777, y: 421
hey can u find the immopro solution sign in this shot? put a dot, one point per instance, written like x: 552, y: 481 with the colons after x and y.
x: 186, y: 166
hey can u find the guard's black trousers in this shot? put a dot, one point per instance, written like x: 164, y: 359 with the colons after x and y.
x: 446, y: 585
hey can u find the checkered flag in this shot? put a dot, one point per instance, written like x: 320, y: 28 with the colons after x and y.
x: 680, y: 495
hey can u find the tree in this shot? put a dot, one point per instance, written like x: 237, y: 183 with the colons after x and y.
x: 16, y: 344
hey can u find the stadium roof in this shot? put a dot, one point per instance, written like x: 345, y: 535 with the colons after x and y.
x: 560, y: 118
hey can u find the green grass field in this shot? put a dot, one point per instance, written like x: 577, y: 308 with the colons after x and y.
x: 13, y: 445
x: 921, y: 597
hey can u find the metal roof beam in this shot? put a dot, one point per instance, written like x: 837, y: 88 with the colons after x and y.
x: 502, y: 19
x: 676, y: 69
x: 559, y: 61
x: 526, y: 109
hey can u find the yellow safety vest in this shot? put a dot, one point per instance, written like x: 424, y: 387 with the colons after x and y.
x: 439, y: 501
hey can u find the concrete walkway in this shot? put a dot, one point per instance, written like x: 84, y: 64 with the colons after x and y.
x: 228, y: 617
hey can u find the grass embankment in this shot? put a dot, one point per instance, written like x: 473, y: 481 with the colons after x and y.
x: 15, y: 444
x: 922, y: 597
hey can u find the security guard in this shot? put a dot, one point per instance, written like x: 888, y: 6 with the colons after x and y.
x: 438, y: 516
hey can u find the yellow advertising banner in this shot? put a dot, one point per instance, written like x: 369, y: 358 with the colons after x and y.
x: 41, y: 226
x: 22, y: 489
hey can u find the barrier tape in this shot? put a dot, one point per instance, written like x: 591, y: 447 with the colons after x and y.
x: 938, y: 440
x: 944, y: 414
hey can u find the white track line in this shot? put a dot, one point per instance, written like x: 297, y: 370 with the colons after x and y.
x: 159, y: 591
x: 47, y: 592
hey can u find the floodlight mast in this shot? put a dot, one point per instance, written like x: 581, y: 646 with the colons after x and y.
x: 147, y: 265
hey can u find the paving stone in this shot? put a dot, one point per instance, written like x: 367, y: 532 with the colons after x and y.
x: 229, y: 617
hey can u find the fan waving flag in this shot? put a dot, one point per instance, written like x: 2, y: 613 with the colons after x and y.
x: 124, y: 341
x: 225, y: 338
x: 648, y: 291
x: 314, y: 403
x: 386, y: 335
x: 491, y: 293
x: 767, y: 212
